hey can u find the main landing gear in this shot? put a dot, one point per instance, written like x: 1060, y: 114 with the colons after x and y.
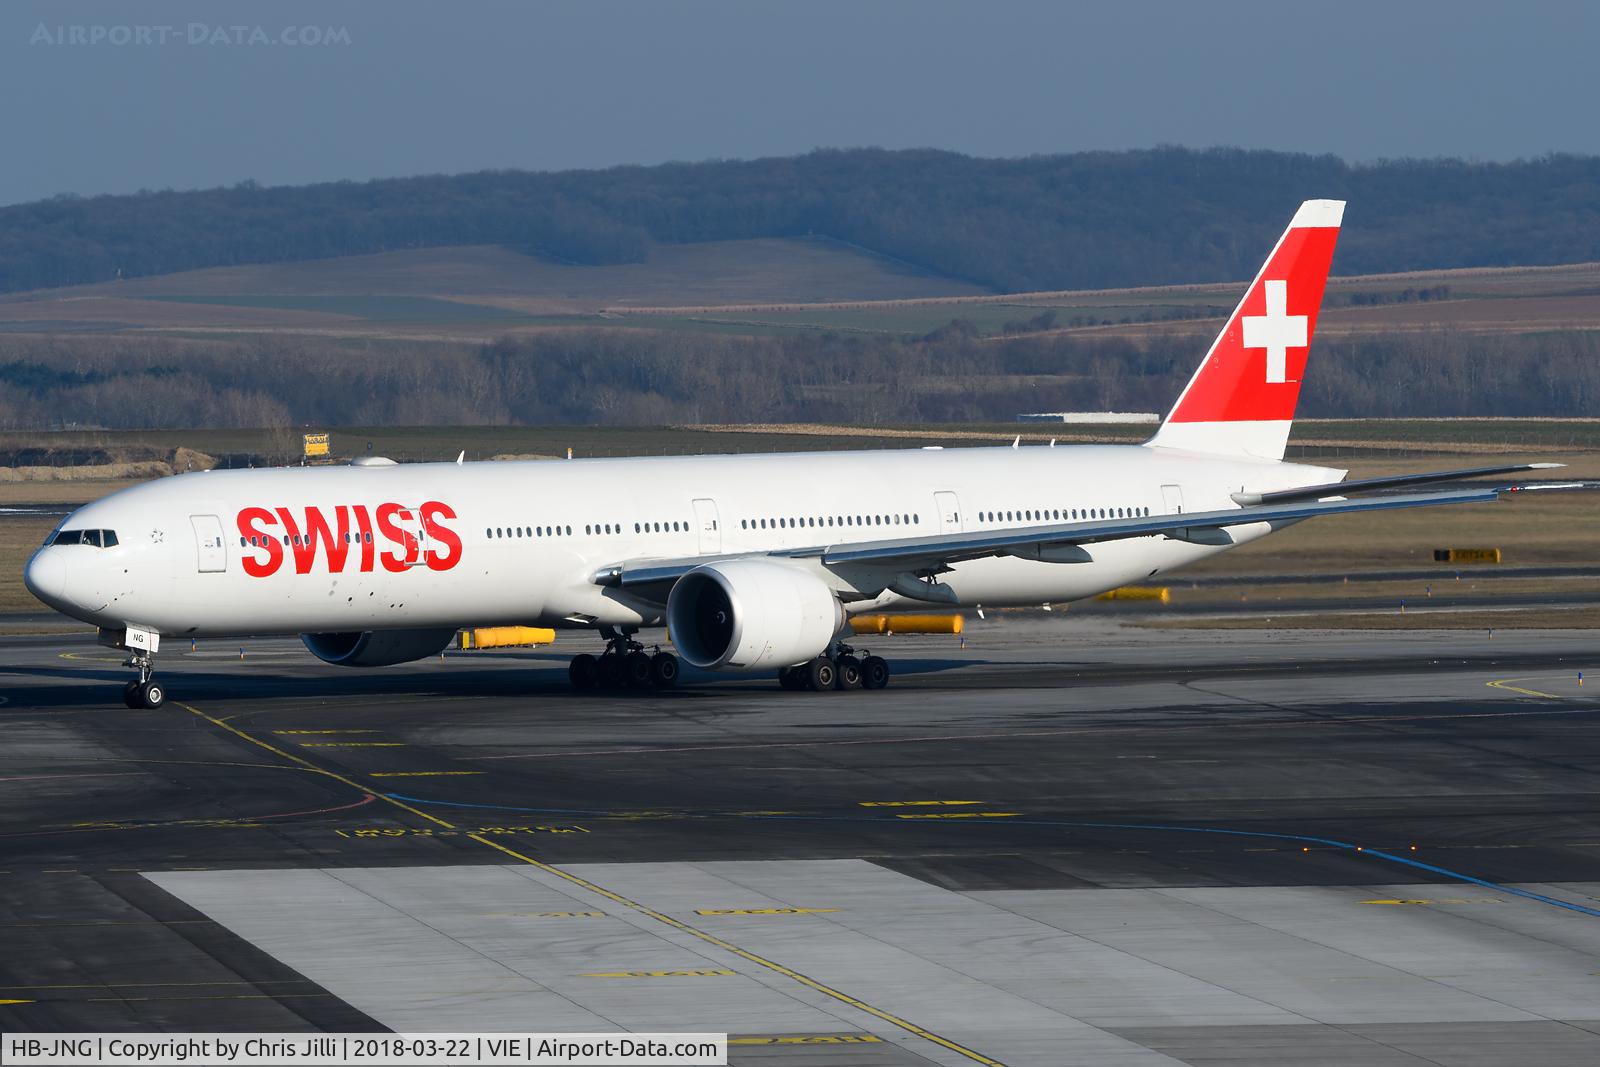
x: 842, y: 670
x: 624, y: 665
x: 146, y: 692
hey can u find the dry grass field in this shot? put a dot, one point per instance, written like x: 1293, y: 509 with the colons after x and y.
x: 747, y: 287
x: 482, y: 290
x: 1498, y: 300
x: 19, y: 536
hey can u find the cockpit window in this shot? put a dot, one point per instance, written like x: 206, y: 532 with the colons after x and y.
x: 97, y: 538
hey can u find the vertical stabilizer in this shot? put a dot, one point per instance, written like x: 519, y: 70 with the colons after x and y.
x: 1241, y: 400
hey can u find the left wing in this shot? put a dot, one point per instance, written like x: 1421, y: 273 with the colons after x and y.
x: 931, y: 554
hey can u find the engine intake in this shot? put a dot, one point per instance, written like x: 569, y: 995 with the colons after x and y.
x: 377, y: 648
x: 751, y: 614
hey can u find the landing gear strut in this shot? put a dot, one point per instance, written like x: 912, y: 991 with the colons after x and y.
x: 624, y: 665
x: 146, y: 692
x: 842, y: 669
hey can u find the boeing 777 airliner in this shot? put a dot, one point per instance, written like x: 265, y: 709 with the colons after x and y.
x: 753, y: 562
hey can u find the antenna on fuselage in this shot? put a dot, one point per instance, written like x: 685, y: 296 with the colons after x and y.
x: 461, y: 458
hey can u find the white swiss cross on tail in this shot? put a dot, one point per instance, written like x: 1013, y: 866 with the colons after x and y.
x: 1277, y: 331
x: 1241, y: 401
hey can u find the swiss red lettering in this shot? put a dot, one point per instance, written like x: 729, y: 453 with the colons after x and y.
x: 276, y: 534
x: 389, y: 517
x: 305, y: 553
x: 253, y: 525
x: 364, y: 532
x: 440, y: 536
x: 337, y: 540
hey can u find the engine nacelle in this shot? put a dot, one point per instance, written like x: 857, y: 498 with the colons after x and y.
x: 747, y: 614
x: 377, y: 648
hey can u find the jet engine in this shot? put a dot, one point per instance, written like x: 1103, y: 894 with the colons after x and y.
x: 377, y: 648
x: 749, y: 614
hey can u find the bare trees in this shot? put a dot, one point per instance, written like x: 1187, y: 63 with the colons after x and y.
x: 639, y: 377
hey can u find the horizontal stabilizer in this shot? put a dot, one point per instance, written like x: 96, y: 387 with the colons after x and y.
x: 1396, y: 481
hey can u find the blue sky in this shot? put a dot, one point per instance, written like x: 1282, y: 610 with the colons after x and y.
x: 112, y: 97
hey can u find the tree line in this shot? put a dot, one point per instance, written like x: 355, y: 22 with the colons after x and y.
x: 1083, y: 220
x: 637, y: 377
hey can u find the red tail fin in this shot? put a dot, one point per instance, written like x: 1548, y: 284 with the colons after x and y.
x: 1241, y: 401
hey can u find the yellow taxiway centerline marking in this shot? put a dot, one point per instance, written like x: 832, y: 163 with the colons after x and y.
x: 1441, y: 900
x: 914, y: 803
x: 617, y: 898
x: 808, y: 1039
x: 224, y: 996
x: 1505, y: 683
x: 352, y: 744
x: 764, y: 911
x: 420, y: 774
x: 18, y: 1002
x: 282, y: 733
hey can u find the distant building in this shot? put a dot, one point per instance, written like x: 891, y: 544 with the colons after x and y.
x: 1100, y: 418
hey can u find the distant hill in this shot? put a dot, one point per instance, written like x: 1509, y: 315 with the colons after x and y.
x: 483, y: 289
x: 1080, y: 221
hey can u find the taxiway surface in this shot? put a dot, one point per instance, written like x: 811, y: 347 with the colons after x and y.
x: 1068, y: 842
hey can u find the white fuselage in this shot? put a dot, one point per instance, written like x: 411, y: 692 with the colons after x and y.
x: 455, y: 545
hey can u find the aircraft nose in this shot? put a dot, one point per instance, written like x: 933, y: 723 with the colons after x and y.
x: 46, y: 576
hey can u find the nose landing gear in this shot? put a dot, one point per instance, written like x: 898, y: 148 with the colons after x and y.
x: 146, y: 692
x: 140, y: 644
